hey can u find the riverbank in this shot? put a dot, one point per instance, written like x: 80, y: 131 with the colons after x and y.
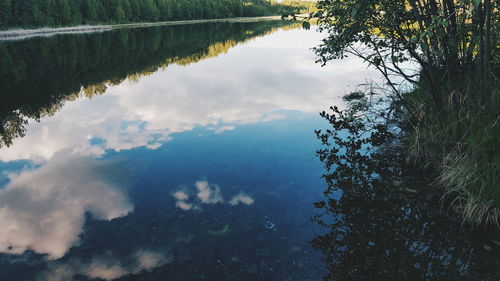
x: 458, y: 145
x: 377, y: 204
x: 441, y: 65
x: 455, y: 149
x: 20, y: 34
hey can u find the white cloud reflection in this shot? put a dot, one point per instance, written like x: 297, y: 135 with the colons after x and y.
x: 104, y: 271
x: 147, y: 260
x: 106, y: 267
x: 241, y: 198
x: 43, y: 209
x: 250, y: 84
x: 181, y: 195
x: 207, y: 194
x: 184, y: 205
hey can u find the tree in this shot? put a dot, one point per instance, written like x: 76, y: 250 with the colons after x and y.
x: 75, y: 7
x: 89, y: 10
x: 446, y: 38
x: 119, y: 14
x: 26, y: 11
x: 38, y: 17
x: 125, y: 4
x: 5, y: 13
x: 135, y: 10
x: 33, y: 13
x: 165, y: 11
x: 63, y: 12
x: 149, y: 11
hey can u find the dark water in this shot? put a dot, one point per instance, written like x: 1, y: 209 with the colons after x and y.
x: 184, y: 153
x: 385, y: 220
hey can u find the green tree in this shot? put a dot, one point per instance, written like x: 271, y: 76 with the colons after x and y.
x: 449, y: 115
x: 62, y: 12
x: 119, y: 14
x: 125, y: 4
x: 5, y: 13
x: 49, y: 10
x: 75, y: 7
x: 39, y: 18
x: 25, y: 9
x: 164, y: 8
x: 149, y: 11
x: 89, y: 10
x: 446, y: 38
x: 135, y: 10
x: 23, y: 13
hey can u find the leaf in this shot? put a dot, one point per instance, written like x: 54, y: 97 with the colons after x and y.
x: 306, y: 25
x: 476, y: 3
x: 354, y: 11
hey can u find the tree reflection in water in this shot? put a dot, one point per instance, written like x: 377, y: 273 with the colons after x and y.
x: 383, y: 222
x: 38, y: 76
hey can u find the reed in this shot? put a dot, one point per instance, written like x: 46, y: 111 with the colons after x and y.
x: 461, y: 144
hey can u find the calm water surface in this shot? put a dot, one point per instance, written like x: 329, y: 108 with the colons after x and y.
x: 172, y: 153
x: 165, y: 153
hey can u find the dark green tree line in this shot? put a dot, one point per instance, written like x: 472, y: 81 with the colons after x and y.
x: 36, y: 13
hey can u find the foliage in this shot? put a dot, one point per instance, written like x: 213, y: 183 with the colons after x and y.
x: 448, y: 40
x: 462, y: 143
x: 448, y: 51
x: 356, y: 132
x: 36, y: 13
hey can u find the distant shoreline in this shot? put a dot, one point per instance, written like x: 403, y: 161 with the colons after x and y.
x: 20, y: 34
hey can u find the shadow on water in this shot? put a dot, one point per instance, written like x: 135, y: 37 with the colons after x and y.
x: 383, y: 221
x: 37, y: 76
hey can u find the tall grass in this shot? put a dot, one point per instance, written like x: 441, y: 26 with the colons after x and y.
x: 461, y: 143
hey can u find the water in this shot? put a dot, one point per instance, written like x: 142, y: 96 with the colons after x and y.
x: 166, y: 153
x: 385, y: 220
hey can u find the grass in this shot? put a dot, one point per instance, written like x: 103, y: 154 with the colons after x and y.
x: 462, y: 145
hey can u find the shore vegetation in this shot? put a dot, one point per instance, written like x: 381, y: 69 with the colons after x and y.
x: 440, y: 60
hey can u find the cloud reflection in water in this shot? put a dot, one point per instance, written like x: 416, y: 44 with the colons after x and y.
x: 107, y: 267
x: 208, y: 194
x: 43, y: 209
x: 207, y: 94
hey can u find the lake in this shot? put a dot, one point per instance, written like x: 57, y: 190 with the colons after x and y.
x: 184, y: 153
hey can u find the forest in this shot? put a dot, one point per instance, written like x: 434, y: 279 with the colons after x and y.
x: 40, y: 13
